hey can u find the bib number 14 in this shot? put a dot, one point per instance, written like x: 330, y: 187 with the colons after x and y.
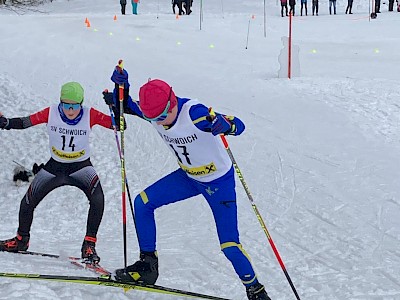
x: 70, y: 144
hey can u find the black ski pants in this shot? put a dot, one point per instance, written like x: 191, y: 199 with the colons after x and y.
x: 303, y: 4
x: 178, y: 3
x: 56, y: 174
x: 284, y: 7
x: 315, y: 7
x: 349, y: 6
x: 391, y: 3
x: 332, y: 3
x: 377, y: 6
x: 292, y: 8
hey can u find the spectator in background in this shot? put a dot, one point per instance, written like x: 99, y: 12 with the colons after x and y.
x: 174, y: 3
x: 391, y: 3
x: 179, y: 4
x: 292, y: 4
x: 378, y: 6
x: 134, y: 6
x: 123, y: 6
x: 349, y: 6
x: 187, y: 5
x: 303, y: 3
x: 315, y: 7
x: 332, y: 3
x: 284, y: 6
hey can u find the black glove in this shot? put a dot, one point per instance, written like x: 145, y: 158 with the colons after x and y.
x: 22, y: 174
x: 108, y: 98
x: 3, y: 122
x: 36, y: 168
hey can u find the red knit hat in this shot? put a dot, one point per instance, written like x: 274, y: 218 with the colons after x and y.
x: 154, y: 96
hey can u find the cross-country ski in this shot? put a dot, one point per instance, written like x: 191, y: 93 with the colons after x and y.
x: 101, y: 281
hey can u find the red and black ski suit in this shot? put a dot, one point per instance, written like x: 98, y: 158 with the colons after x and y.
x: 55, y: 174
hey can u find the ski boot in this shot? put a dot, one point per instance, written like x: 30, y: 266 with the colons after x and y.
x: 145, y: 270
x: 257, y: 292
x: 18, y: 243
x: 89, y: 254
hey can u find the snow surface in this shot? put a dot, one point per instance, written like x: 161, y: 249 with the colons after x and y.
x: 320, y: 153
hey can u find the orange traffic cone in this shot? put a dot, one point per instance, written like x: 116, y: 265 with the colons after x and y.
x: 86, y: 21
x: 88, y: 24
x: 115, y: 17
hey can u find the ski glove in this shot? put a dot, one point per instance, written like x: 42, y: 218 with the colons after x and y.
x: 108, y: 98
x: 3, y: 122
x: 36, y: 168
x: 221, y: 125
x: 120, y: 76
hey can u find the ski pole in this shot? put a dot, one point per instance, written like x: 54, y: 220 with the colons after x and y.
x: 123, y: 177
x: 17, y: 163
x: 28, y: 172
x: 120, y: 155
x: 248, y: 32
x: 260, y: 219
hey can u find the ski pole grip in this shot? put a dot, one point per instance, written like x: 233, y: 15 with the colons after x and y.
x: 212, y: 117
x: 120, y: 66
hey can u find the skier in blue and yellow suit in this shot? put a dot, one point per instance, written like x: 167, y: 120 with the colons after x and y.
x: 189, y: 130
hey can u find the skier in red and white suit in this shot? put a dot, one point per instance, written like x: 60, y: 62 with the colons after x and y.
x: 68, y: 125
